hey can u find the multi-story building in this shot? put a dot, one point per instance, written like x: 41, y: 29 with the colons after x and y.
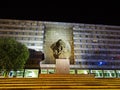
x: 29, y: 33
x: 89, y: 47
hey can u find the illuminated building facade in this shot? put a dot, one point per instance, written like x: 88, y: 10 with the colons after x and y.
x: 97, y: 46
x: 88, y: 46
x: 26, y: 32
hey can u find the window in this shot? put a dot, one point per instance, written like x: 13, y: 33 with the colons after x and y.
x: 109, y: 74
x: 94, y: 40
x: 2, y: 73
x: 118, y: 73
x: 31, y: 73
x: 82, y: 71
x: 97, y: 73
x: 51, y: 71
x: 43, y: 71
x: 72, y: 71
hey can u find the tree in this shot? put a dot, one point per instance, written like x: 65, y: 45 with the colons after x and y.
x: 13, y: 54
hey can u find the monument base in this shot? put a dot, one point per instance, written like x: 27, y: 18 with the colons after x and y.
x: 62, y: 66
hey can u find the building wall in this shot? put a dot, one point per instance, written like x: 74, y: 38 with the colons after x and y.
x: 97, y: 46
x: 53, y: 33
x: 91, y: 46
x: 29, y: 33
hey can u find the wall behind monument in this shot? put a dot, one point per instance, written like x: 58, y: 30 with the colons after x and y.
x: 53, y: 34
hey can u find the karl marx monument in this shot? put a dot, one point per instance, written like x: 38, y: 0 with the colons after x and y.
x: 61, y: 49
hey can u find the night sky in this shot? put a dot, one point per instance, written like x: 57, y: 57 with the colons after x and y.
x: 71, y: 15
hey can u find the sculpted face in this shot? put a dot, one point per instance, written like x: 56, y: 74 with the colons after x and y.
x: 60, y: 49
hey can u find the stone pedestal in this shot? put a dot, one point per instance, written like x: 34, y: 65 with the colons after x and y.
x: 62, y: 66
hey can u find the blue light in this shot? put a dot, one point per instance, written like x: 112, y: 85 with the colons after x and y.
x: 100, y: 63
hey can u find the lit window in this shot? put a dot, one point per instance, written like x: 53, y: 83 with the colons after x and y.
x: 94, y: 40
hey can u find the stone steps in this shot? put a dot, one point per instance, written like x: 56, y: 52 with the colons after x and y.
x: 58, y: 82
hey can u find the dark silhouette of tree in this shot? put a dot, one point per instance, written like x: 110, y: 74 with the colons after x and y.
x: 34, y: 59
